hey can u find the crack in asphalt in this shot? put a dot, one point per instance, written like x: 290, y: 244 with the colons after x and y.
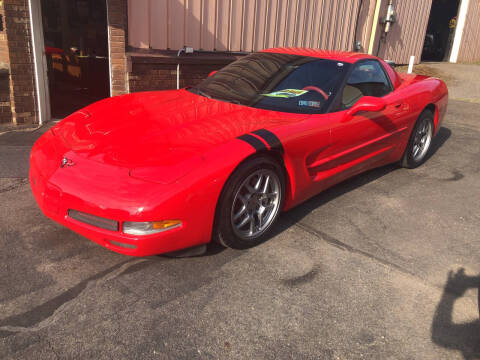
x: 344, y: 246
x: 47, y: 313
x: 456, y: 175
x: 18, y: 182
x: 302, y: 279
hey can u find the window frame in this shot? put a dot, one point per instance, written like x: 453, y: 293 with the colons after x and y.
x: 335, y: 105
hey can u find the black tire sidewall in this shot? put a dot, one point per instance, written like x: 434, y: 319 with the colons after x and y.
x: 223, y: 229
x: 408, y: 161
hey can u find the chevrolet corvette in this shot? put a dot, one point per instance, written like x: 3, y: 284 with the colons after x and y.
x: 156, y: 172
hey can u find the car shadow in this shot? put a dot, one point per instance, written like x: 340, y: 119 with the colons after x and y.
x: 464, y: 337
x: 442, y: 136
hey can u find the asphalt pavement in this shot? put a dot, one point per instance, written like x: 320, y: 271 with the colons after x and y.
x: 383, y: 266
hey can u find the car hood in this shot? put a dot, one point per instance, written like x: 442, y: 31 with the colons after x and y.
x: 162, y: 128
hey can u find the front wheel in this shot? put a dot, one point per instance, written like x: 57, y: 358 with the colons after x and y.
x: 419, y: 142
x: 250, y: 203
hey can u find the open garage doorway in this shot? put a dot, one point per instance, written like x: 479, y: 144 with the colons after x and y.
x: 76, y: 48
x: 440, y: 30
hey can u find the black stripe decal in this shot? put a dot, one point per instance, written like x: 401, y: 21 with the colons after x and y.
x: 252, y: 140
x: 271, y: 139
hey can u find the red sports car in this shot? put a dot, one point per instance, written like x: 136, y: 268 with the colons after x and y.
x: 155, y: 172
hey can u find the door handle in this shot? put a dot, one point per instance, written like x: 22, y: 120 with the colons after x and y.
x: 401, y: 106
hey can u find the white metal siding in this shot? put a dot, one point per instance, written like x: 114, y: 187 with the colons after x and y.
x: 242, y: 25
x: 470, y: 46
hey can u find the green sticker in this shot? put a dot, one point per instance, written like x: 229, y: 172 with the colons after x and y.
x: 287, y: 93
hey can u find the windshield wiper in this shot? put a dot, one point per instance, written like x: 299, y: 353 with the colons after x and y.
x: 203, y: 93
x: 229, y: 101
x: 200, y: 92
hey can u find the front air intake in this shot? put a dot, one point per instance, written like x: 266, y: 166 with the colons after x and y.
x: 93, y: 220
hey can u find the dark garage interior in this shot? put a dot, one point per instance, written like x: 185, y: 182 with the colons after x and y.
x: 76, y: 46
x: 440, y: 30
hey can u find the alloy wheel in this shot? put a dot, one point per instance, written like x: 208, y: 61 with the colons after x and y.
x: 422, y: 140
x: 256, y: 204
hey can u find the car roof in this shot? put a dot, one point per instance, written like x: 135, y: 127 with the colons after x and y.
x: 345, y: 56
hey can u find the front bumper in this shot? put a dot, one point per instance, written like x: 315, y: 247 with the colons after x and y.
x: 123, y: 243
x: 49, y: 199
x: 109, y: 193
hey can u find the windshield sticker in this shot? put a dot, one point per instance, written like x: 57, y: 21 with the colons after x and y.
x: 287, y: 93
x: 316, y: 104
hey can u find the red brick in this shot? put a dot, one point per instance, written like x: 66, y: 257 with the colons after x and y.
x: 17, y: 49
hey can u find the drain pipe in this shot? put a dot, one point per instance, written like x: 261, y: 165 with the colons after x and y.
x: 373, y: 31
x: 186, y: 50
x: 357, y: 44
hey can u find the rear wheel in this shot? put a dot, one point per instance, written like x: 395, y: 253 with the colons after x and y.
x: 419, y: 142
x: 250, y: 203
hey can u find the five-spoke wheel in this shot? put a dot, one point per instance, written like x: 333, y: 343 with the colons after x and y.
x: 256, y: 203
x: 422, y: 139
x: 250, y: 203
x: 419, y: 142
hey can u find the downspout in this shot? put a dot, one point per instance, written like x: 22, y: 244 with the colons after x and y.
x: 374, y: 26
x: 357, y: 43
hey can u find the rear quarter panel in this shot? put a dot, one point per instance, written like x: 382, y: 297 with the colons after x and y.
x: 420, y: 91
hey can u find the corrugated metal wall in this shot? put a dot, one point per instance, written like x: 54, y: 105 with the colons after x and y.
x: 242, y: 25
x: 470, y: 45
x: 407, y: 35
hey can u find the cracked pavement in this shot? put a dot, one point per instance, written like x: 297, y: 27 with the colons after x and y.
x: 360, y: 271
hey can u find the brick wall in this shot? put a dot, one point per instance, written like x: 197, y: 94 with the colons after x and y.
x: 117, y: 27
x: 4, y: 58
x: 5, y: 105
x: 158, y: 71
x: 145, y: 77
x: 17, y: 52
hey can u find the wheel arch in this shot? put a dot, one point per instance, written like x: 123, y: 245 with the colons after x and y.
x: 433, y: 108
x: 281, y: 159
x: 277, y: 156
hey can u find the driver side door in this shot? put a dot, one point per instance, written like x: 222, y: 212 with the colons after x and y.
x: 365, y: 139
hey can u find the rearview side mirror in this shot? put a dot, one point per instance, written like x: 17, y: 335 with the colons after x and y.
x: 367, y: 103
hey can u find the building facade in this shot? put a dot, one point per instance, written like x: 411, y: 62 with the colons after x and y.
x: 59, y: 55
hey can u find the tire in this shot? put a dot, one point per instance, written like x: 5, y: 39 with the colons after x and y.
x: 248, y: 201
x: 420, y: 141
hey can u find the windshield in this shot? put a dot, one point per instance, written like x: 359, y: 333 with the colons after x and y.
x: 280, y: 82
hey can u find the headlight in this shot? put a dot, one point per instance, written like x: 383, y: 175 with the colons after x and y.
x: 149, y: 227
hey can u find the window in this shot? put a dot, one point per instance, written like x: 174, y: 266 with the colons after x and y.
x: 367, y: 79
x: 280, y: 82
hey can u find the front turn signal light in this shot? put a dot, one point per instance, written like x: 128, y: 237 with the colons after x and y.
x: 149, y: 227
